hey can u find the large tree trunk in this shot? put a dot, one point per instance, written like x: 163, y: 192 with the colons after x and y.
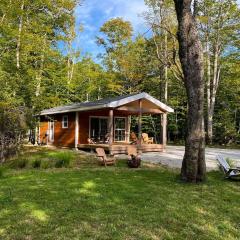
x: 190, y: 53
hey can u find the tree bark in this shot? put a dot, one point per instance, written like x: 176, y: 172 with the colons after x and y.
x: 213, y: 81
x: 20, y: 25
x: 190, y: 53
x: 41, y: 67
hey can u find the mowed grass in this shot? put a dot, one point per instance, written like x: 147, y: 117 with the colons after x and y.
x: 93, y: 202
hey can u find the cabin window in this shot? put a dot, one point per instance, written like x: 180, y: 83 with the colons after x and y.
x: 65, y: 121
x: 98, y: 129
x: 120, y: 129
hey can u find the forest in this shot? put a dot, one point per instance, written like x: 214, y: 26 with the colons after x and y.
x: 35, y: 72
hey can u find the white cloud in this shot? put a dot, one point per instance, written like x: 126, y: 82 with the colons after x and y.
x: 93, y: 13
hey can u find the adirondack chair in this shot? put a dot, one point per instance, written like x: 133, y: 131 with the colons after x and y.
x: 133, y: 138
x: 229, y: 172
x: 102, y: 157
x: 146, y: 139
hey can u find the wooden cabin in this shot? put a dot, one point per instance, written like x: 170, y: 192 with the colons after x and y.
x: 103, y: 123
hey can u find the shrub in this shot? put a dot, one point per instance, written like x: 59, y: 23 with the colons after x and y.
x: 2, y: 170
x: 36, y: 163
x: 21, y: 162
x: 135, y: 162
x: 63, y: 159
x: 46, y: 164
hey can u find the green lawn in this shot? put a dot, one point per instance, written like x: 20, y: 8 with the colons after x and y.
x: 91, y: 202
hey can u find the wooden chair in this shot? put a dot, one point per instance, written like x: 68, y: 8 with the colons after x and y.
x: 146, y: 139
x: 133, y: 138
x: 229, y: 172
x: 102, y: 157
x: 90, y: 141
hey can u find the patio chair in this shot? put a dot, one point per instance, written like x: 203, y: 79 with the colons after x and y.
x: 146, y: 139
x: 133, y: 138
x: 230, y: 172
x: 102, y: 157
x: 90, y: 141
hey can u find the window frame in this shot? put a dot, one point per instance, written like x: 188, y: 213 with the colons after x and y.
x: 64, y: 120
x: 120, y: 129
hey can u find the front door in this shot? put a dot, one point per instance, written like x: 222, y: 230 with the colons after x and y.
x: 51, y: 131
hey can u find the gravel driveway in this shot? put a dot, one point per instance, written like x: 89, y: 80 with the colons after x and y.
x: 173, y: 156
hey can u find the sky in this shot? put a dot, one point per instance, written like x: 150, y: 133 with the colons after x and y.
x: 92, y: 14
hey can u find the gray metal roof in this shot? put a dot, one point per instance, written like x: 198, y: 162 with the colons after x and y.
x: 105, y: 103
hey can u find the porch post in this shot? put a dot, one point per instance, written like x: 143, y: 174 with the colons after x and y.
x: 164, y: 130
x: 110, y: 126
x: 128, y: 128
x: 140, y: 121
x: 76, y: 130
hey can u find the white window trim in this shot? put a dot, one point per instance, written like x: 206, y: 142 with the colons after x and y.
x: 63, y: 121
x: 121, y: 129
x: 49, y: 130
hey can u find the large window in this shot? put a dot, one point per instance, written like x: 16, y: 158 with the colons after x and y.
x: 120, y: 129
x: 98, y: 129
x: 65, y: 121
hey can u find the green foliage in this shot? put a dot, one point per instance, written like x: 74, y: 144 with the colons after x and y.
x: 43, y: 77
x: 21, y: 162
x: 2, y: 171
x: 13, y: 126
x: 46, y: 163
x: 63, y: 159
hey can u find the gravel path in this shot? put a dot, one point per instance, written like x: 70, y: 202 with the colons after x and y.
x: 173, y: 156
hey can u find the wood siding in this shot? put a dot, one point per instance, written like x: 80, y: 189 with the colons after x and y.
x: 84, y: 122
x: 62, y: 136
x: 66, y: 136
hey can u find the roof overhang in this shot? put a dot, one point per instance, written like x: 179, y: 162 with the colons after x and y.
x: 113, y: 104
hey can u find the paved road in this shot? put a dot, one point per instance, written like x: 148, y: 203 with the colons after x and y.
x: 173, y: 156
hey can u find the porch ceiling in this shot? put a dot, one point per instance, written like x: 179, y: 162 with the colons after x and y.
x: 147, y: 107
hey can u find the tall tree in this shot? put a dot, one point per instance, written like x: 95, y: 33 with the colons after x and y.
x: 190, y: 54
x: 219, y: 26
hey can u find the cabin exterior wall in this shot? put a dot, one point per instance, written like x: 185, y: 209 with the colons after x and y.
x: 66, y: 136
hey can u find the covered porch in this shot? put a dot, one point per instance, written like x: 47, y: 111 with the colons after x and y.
x: 110, y: 128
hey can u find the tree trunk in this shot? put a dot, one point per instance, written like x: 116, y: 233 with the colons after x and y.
x: 40, y: 72
x: 166, y: 70
x: 213, y: 83
x: 20, y: 25
x: 190, y: 53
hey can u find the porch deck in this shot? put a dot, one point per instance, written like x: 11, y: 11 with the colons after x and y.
x: 121, y: 148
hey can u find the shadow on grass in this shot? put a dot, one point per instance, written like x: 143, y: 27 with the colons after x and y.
x: 116, y: 203
x: 94, y: 202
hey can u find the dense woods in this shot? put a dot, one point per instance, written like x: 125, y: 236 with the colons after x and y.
x: 35, y: 72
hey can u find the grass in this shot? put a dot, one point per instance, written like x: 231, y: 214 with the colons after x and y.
x: 87, y: 201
